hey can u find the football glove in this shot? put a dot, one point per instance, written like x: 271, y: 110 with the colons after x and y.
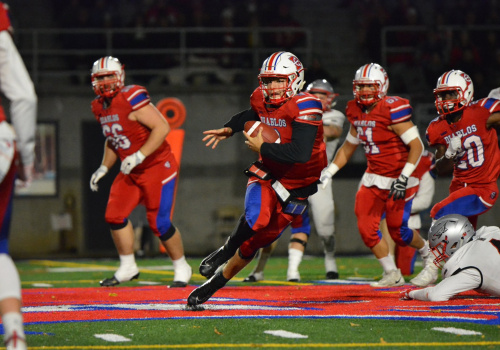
x: 405, y: 295
x: 398, y: 188
x: 454, y: 147
x: 131, y: 162
x: 96, y: 176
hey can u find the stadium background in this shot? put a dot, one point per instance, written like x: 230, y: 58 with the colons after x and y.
x: 207, y: 54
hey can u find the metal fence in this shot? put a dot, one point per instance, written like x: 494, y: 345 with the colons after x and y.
x: 173, y: 54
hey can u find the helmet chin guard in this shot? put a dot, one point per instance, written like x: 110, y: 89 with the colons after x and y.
x: 453, y: 81
x: 111, y: 68
x: 370, y: 74
x: 448, y: 234
x: 283, y: 65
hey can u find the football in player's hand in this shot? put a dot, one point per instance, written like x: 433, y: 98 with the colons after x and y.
x: 269, y: 134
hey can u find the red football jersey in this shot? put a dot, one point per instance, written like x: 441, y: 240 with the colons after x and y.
x: 481, y: 161
x: 302, y: 108
x: 124, y: 135
x: 385, y: 152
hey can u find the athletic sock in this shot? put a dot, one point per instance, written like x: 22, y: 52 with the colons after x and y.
x: 388, y: 264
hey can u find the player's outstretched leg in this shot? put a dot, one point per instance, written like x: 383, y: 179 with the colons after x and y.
x: 211, y: 263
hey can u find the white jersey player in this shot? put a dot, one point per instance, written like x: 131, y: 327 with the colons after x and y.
x: 321, y: 203
x: 469, y: 260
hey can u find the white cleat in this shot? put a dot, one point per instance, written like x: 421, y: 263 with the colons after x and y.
x: 427, y: 276
x: 391, y: 279
x: 182, y: 275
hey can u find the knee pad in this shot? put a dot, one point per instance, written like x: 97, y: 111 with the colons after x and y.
x: 11, y: 284
x: 167, y: 235
x: 115, y: 227
x: 304, y: 243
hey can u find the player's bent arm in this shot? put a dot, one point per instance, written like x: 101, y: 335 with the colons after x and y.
x: 347, y: 149
x: 463, y: 281
x: 408, y: 133
x: 152, y: 118
x: 299, y: 150
x: 444, y: 166
x: 237, y: 121
x: 493, y: 120
x: 109, y: 157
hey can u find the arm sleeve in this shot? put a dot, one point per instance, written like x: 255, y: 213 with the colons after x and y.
x: 297, y: 151
x: 237, y: 121
x: 463, y: 281
x: 18, y: 88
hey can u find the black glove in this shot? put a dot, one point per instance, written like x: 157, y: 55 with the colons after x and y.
x: 398, y: 188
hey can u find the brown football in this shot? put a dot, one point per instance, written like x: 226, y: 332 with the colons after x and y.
x: 269, y: 134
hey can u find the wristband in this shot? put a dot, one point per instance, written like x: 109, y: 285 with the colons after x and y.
x: 140, y: 155
x: 103, y: 168
x: 352, y: 139
x: 333, y: 168
x: 408, y: 169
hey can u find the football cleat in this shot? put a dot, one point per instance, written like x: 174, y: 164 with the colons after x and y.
x: 391, y: 279
x: 332, y: 275
x: 206, y: 290
x: 255, y: 277
x: 113, y: 281
x: 427, y: 276
x: 212, y: 262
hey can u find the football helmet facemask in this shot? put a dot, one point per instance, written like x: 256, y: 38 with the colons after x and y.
x: 107, y: 67
x: 281, y: 65
x: 448, y: 234
x: 370, y: 74
x: 322, y: 86
x: 457, y: 82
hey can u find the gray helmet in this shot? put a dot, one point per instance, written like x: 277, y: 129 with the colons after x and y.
x: 322, y: 86
x: 448, y: 234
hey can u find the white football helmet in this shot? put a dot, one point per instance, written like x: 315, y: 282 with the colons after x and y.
x: 322, y: 86
x: 281, y: 65
x: 448, y: 234
x: 107, y: 66
x: 455, y: 81
x: 370, y: 74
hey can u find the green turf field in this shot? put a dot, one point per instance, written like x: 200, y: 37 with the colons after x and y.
x: 55, y: 280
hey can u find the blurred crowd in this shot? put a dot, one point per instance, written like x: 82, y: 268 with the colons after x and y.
x: 450, y: 40
x: 142, y: 15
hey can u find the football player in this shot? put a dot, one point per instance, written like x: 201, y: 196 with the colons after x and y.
x: 405, y: 256
x: 285, y: 175
x: 467, y: 145
x: 322, y: 204
x: 135, y: 133
x: 469, y: 259
x: 382, y: 124
x: 17, y: 157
